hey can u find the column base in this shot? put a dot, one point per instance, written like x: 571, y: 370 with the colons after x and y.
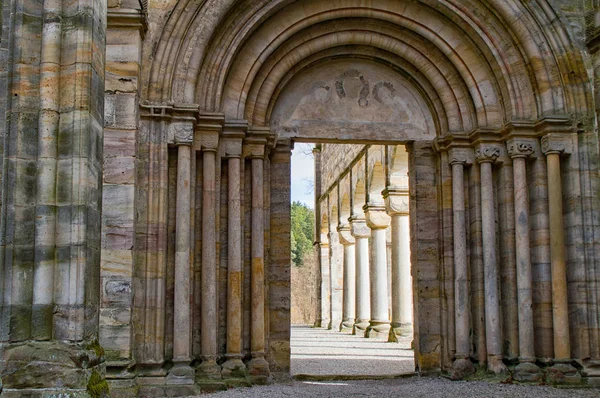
x: 360, y: 327
x: 591, y: 372
x: 347, y: 326
x: 528, y: 371
x: 496, y: 365
x: 399, y: 330
x: 562, y: 372
x: 208, y: 375
x: 233, y: 368
x: 258, y: 370
x: 181, y: 374
x: 378, y: 330
x: 461, y: 368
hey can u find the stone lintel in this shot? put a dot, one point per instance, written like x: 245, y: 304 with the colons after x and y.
x: 560, y: 124
x: 488, y: 153
x: 485, y: 135
x: 450, y: 140
x: 520, y: 147
x: 127, y: 18
x: 359, y: 227
x: 556, y: 143
x: 461, y: 155
x: 396, y: 201
x: 377, y: 217
x: 345, y: 234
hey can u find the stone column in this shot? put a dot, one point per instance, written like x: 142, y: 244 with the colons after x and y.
x: 349, y: 293
x: 209, y: 369
x: 181, y: 372
x: 402, y: 312
x: 325, y: 281
x: 317, y: 194
x: 258, y: 367
x: 462, y: 365
x: 553, y: 146
x: 378, y: 221
x: 232, y: 150
x: 486, y: 156
x: 527, y: 370
x: 361, y: 232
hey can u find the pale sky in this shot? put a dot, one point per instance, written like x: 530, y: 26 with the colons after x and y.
x: 303, y: 174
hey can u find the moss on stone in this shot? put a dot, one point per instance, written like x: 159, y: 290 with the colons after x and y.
x: 97, y: 386
x: 95, y: 346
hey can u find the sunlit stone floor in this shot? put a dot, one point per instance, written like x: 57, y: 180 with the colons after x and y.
x: 318, y: 352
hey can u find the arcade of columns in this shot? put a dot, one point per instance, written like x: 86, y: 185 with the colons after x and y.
x: 145, y: 186
x: 355, y: 218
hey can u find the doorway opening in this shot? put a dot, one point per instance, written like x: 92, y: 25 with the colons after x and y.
x: 351, y: 309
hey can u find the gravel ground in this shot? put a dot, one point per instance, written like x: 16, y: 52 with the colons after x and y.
x: 410, y: 387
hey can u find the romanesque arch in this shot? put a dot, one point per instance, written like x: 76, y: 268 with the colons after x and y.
x: 170, y: 249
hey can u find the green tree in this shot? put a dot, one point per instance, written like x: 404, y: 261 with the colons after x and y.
x: 303, y: 224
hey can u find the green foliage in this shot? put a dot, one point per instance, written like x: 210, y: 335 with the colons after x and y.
x: 303, y: 226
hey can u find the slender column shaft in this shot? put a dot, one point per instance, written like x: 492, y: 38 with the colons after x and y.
x: 524, y: 280
x: 181, y: 327
x: 209, y: 258
x: 490, y: 264
x: 349, y: 292
x: 379, y: 284
x: 258, y: 366
x: 234, y: 262
x: 560, y: 307
x: 363, y: 296
x: 325, y: 284
x: 401, y: 279
x: 461, y: 286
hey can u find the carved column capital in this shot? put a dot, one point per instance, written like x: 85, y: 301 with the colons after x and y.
x: 519, y: 148
x: 460, y: 156
x: 488, y: 153
x: 377, y: 217
x: 209, y: 141
x: 555, y: 143
x: 256, y: 142
x: 232, y: 138
x: 182, y: 131
x: 396, y: 201
x: 345, y: 234
x: 359, y: 227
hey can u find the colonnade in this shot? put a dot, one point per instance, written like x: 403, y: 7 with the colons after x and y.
x: 369, y: 308
x: 519, y: 153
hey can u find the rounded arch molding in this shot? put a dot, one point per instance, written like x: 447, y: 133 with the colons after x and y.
x: 514, y: 65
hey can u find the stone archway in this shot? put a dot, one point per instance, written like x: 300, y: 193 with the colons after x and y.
x: 170, y: 245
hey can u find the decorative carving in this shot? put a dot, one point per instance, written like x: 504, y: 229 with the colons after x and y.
x: 487, y: 153
x: 321, y: 86
x: 209, y: 141
x: 363, y: 99
x: 519, y: 149
x: 232, y: 147
x: 359, y: 228
x: 554, y: 143
x: 182, y: 132
x: 396, y: 201
x: 460, y: 155
x: 377, y: 217
x: 381, y: 85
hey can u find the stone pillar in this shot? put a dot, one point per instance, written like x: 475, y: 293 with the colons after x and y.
x: 402, y: 302
x: 486, y: 156
x: 232, y: 150
x: 462, y: 365
x: 349, y: 293
x: 50, y: 216
x: 527, y: 370
x: 258, y: 367
x: 181, y: 372
x: 317, y: 194
x: 553, y: 146
x: 209, y: 369
x: 325, y: 281
x: 378, y: 221
x: 335, y: 278
x: 361, y: 232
